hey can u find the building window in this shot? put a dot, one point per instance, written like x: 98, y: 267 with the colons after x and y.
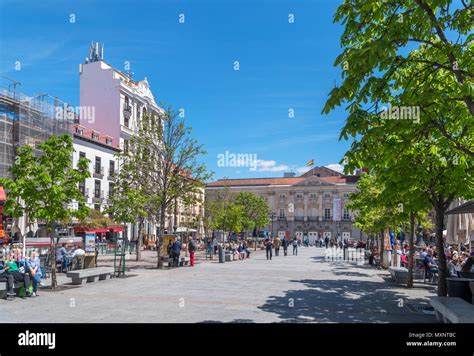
x: 97, y: 188
x: 125, y: 146
x: 327, y: 195
x: 111, y: 168
x: 346, y: 195
x: 299, y: 196
x: 108, y: 141
x: 313, y: 196
x: 98, y: 167
x: 111, y: 190
x: 97, y: 207
x: 282, y: 196
x: 82, y: 188
x: 79, y: 130
x: 346, y: 214
x: 327, y: 213
x: 282, y: 213
x: 82, y: 155
x: 94, y: 135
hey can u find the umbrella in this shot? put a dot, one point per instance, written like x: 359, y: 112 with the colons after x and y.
x: 460, y: 225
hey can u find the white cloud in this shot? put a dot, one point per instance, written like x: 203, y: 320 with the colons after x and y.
x: 270, y: 166
x: 336, y: 167
x: 301, y: 170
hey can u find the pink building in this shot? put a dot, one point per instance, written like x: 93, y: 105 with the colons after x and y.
x: 117, y: 101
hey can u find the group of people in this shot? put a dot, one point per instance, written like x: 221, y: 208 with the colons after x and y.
x: 66, y: 253
x: 278, y: 243
x: 14, y: 267
x: 175, y: 248
x: 240, y: 250
x: 459, y: 262
x: 458, y: 258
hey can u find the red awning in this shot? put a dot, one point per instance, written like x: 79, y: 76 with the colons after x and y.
x: 101, y: 230
x: 98, y: 230
x: 2, y: 194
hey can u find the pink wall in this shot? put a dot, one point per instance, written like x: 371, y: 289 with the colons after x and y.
x: 99, y: 89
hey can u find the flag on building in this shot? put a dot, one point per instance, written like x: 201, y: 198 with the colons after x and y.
x: 310, y: 163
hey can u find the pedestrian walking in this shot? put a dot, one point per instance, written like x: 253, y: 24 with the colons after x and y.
x: 295, y: 246
x: 192, y: 249
x: 215, y: 244
x: 285, y: 244
x: 176, y: 251
x: 277, y: 244
x: 269, y: 248
x: 326, y: 241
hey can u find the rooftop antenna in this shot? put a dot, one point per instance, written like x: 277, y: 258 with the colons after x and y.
x: 96, y: 52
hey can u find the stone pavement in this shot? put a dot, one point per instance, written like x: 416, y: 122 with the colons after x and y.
x: 303, y: 288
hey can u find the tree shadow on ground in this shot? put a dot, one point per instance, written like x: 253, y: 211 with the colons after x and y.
x: 235, y: 321
x: 345, y: 301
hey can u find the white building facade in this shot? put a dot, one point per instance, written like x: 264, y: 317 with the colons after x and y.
x: 103, y: 166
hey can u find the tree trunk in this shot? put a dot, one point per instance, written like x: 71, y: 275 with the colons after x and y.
x: 411, y: 250
x: 159, y: 263
x: 382, y: 247
x: 54, y: 279
x: 139, y: 241
x: 442, y: 267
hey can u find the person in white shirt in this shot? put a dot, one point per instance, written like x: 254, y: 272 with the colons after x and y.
x: 78, y: 252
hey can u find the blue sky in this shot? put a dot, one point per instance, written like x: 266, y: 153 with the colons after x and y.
x: 283, y: 66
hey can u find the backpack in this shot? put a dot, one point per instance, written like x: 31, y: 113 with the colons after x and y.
x: 192, y: 246
x: 295, y: 243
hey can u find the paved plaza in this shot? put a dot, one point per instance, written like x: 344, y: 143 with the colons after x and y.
x: 303, y: 288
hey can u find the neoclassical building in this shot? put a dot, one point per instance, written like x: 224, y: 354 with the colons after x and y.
x: 312, y: 205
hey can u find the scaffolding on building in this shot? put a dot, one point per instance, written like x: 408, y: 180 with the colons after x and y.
x: 28, y: 120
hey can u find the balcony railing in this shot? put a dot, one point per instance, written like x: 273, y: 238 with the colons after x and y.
x: 98, y: 172
x: 112, y: 174
x: 281, y: 218
x: 98, y: 194
x: 313, y: 218
x: 299, y: 218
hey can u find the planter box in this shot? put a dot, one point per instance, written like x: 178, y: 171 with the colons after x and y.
x: 459, y: 287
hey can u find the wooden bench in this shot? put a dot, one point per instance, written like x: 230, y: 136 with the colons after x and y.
x: 399, y: 274
x: 452, y: 310
x: 90, y: 274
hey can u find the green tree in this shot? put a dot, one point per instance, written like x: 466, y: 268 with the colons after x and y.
x: 255, y: 209
x: 127, y: 201
x: 414, y: 52
x: 414, y: 56
x: 163, y: 164
x: 46, y: 187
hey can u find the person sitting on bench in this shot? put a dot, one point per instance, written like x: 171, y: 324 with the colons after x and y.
x: 8, y: 278
x: 12, y: 268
